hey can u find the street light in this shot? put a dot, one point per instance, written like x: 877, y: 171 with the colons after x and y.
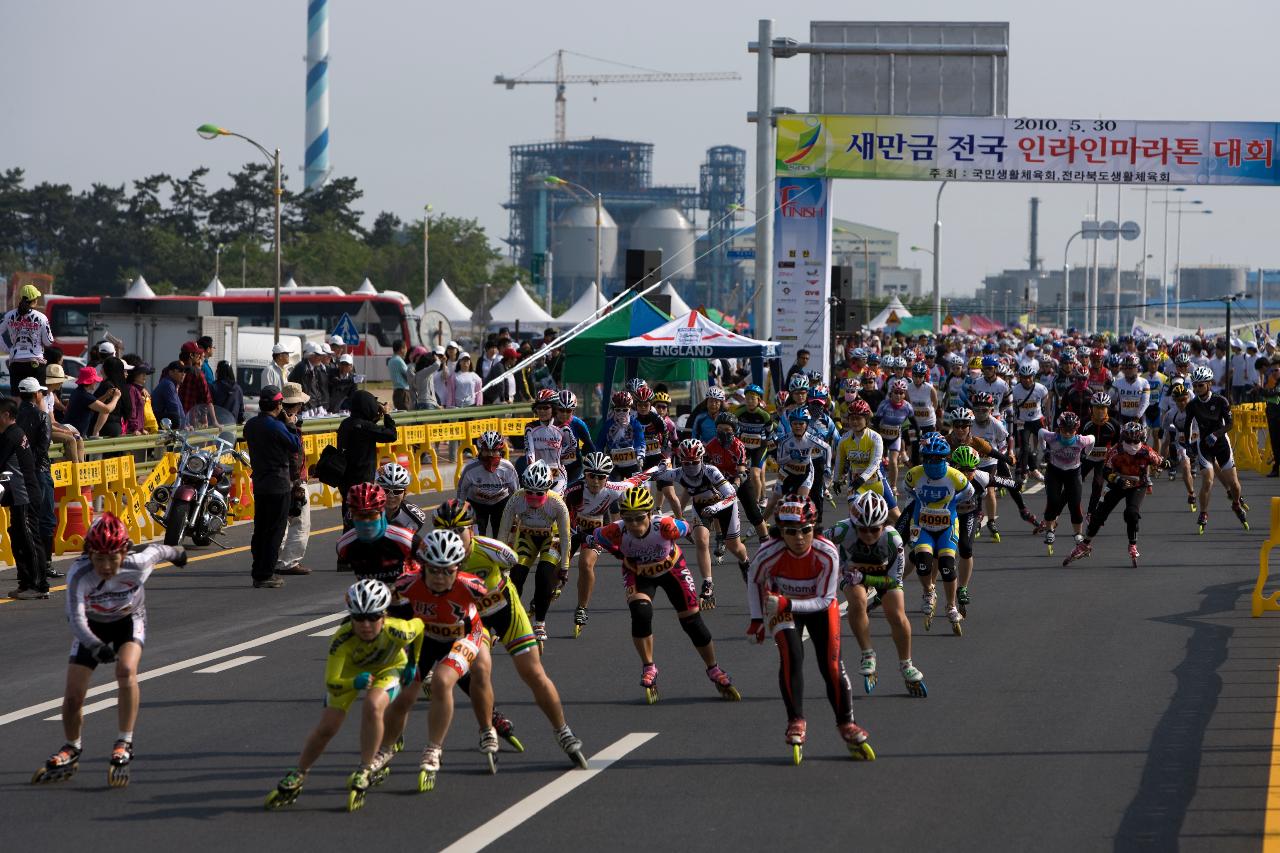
x: 426, y: 242
x: 1164, y: 252
x: 599, y: 200
x: 1066, y: 282
x: 937, y: 249
x: 1177, y: 281
x: 212, y: 131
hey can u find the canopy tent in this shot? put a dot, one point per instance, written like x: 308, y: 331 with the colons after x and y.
x: 518, y: 307
x: 692, y: 336
x: 585, y: 352
x: 446, y: 302
x: 214, y: 288
x: 895, y: 306
x: 366, y: 286
x: 678, y: 306
x: 978, y: 324
x: 584, y: 308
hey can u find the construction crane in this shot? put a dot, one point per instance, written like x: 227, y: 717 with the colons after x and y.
x: 561, y: 80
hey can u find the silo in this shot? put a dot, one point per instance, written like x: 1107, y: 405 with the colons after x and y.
x: 666, y: 228
x: 575, y: 243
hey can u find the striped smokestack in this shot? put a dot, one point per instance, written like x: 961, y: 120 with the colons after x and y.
x: 317, y: 142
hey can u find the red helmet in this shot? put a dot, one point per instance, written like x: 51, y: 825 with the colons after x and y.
x: 860, y: 407
x: 108, y: 535
x: 620, y: 400
x: 546, y: 397
x: 366, y: 497
x: 690, y: 452
x: 644, y: 394
x: 794, y: 508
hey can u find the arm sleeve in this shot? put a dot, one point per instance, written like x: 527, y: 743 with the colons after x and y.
x: 76, y: 616
x: 508, y: 516
x: 637, y: 437
x: 562, y: 525
x: 877, y: 453
x: 334, y: 664
x: 584, y: 435
x: 758, y: 578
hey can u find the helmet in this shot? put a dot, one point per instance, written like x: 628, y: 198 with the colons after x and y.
x: 1182, y: 358
x: 798, y: 416
x: 954, y: 360
x: 491, y: 440
x: 636, y: 499
x: 546, y: 397
x: 780, y: 399
x: 1081, y: 372
x: 860, y: 407
x: 635, y: 384
x: 990, y: 361
x: 868, y: 509
x: 690, y: 451
x: 29, y: 293
x: 919, y: 369
x: 620, y: 400
x: 858, y: 354
x: 1201, y: 374
x: 798, y: 382
x: 643, y: 394
x: 1005, y: 369
x: 453, y: 513
x: 960, y: 415
x: 366, y: 497
x: 1068, y: 421
x: 873, y: 358
x: 930, y: 352
x: 1027, y: 369
x: 754, y: 389
x: 537, y: 477
x: 727, y: 419
x: 795, y: 508
x: 1129, y: 360
x: 368, y: 596
x: 662, y: 398
x: 934, y: 445
x: 975, y: 363
x: 1132, y: 432
x: 898, y: 385
x: 716, y: 393
x: 1100, y: 398
x: 108, y: 535
x: 965, y: 456
x: 393, y: 476
x: 597, y: 463
x: 442, y: 548
x: 982, y: 400
x: 566, y: 399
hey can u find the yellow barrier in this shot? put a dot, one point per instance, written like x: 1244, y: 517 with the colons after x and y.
x: 1247, y: 420
x: 1263, y: 603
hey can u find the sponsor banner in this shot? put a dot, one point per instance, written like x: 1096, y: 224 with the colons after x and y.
x: 1034, y: 150
x: 802, y: 270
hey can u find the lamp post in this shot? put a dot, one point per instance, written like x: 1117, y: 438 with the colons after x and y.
x: 1066, y: 283
x: 426, y: 262
x: 212, y: 131
x: 1177, y: 280
x: 599, y: 201
x: 1164, y: 253
x: 217, y: 260
x: 937, y: 249
x: 1146, y: 206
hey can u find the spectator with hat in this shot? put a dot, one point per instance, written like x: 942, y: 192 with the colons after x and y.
x: 24, y: 334
x: 275, y: 372
x: 466, y: 384
x: 298, y: 529
x: 197, y: 400
x: 311, y: 374
x: 141, y: 418
x: 86, y: 413
x: 272, y: 446
x: 206, y: 363
x: 35, y: 424
x: 342, y: 383
x: 339, y: 346
x: 113, y: 379
x: 71, y: 440
x: 165, y: 401
x: 358, y: 438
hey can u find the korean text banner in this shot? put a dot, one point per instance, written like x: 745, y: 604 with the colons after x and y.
x: 1053, y: 151
x: 802, y: 269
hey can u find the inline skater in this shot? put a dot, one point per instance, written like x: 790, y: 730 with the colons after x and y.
x: 373, y: 548
x: 107, y: 612
x: 488, y: 481
x: 536, y: 523
x: 1076, y: 396
x: 794, y: 583
x: 577, y: 438
x: 1105, y: 434
x: 889, y: 420
x: 657, y: 449
x: 394, y: 479
x: 622, y: 436
x: 544, y: 439
x: 966, y: 460
x: 873, y: 563
x: 1157, y: 383
x: 1131, y: 391
x: 937, y: 488
x: 651, y: 560
x: 822, y: 426
x: 703, y: 425
x: 755, y: 430
x: 994, y: 432
x: 1099, y: 374
x: 1028, y: 399
x: 729, y: 454
x: 367, y: 652
x: 953, y: 386
x: 989, y: 382
x: 662, y: 405
x: 923, y: 398
x: 1065, y: 451
x: 799, y: 455
x: 1172, y: 422
x: 1210, y: 415
x: 859, y: 457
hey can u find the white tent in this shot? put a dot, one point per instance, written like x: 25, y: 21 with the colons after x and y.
x: 678, y: 306
x: 519, y: 305
x: 140, y: 290
x: 215, y: 288
x: 895, y: 306
x: 366, y: 286
x: 289, y: 285
x: 445, y: 301
x: 585, y: 307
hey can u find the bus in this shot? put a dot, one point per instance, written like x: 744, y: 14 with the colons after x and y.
x: 387, y: 319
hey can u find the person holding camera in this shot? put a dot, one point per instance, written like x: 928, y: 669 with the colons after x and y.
x: 294, y: 547
x: 272, y: 447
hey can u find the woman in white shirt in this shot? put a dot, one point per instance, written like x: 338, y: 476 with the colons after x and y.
x: 466, y: 384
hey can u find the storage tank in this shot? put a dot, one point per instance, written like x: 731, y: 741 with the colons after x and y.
x: 575, y: 243
x: 666, y: 228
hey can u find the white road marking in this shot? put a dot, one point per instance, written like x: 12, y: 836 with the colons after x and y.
x: 508, y: 820
x: 32, y: 710
x: 228, y: 664
x: 326, y: 634
x: 87, y: 710
x: 1038, y: 487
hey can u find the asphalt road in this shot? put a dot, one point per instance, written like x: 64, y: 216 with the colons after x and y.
x: 1088, y: 708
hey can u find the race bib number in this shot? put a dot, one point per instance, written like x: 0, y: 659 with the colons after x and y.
x: 933, y: 519
x: 589, y: 522
x: 570, y: 455
x: 1128, y: 405
x: 923, y: 412
x: 750, y: 440
x: 623, y: 455
x: 1097, y: 454
x: 890, y: 431
x: 652, y: 445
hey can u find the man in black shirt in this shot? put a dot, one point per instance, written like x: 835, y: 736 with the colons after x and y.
x: 271, y: 448
x: 21, y: 491
x: 35, y: 423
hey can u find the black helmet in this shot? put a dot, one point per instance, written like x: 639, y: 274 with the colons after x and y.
x: 727, y: 419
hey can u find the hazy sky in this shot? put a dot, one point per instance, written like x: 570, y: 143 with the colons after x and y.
x: 113, y: 91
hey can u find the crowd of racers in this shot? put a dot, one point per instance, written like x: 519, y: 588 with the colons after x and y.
x: 922, y: 444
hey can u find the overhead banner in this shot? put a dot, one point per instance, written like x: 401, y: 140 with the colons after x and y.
x: 802, y: 270
x: 1033, y: 150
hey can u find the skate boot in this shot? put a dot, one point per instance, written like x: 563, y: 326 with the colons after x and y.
x: 121, y: 758
x: 1049, y: 538
x: 795, y: 739
x: 579, y: 621
x: 1030, y: 518
x: 1239, y: 507
x: 380, y: 769
x: 1202, y: 522
x: 398, y: 747
x: 867, y: 669
x: 929, y: 602
x: 428, y: 768
x: 962, y: 599
x: 873, y: 599
x: 287, y: 790
x: 649, y: 681
x: 572, y: 747
x: 1133, y: 554
x: 954, y: 617
x: 745, y: 568
x: 855, y: 738
x: 507, y: 731
x: 991, y: 528
x: 913, y: 678
x: 1083, y: 549
x: 540, y: 634
x: 719, y: 550
x: 707, y: 598
x: 60, y: 767
x: 357, y: 788
x: 723, y: 683
x: 489, y: 748
x: 1191, y: 502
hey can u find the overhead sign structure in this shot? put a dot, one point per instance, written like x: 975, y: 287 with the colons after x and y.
x: 1028, y: 150
x: 802, y: 269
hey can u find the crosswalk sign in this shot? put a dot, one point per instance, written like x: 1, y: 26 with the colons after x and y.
x: 346, y: 329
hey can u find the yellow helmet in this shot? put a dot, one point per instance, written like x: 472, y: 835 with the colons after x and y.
x: 662, y: 397
x: 637, y: 499
x: 975, y: 363
x: 29, y: 292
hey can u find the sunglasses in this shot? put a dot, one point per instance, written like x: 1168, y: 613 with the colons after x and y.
x: 534, y: 493
x: 545, y: 407
x: 798, y: 531
x: 393, y: 493
x: 365, y: 617
x: 597, y: 476
x: 873, y: 530
x: 619, y: 410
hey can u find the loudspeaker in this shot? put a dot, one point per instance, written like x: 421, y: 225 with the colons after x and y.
x: 644, y: 268
x: 661, y: 301
x: 842, y: 281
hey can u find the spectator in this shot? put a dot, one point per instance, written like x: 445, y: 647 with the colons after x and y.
x: 339, y: 346
x: 275, y: 372
x: 424, y: 379
x: 451, y: 351
x: 504, y: 391
x: 86, y: 411
x: 24, y: 334
x: 141, y: 418
x: 197, y: 401
x: 298, y: 529
x: 801, y: 366
x: 399, y: 370
x: 114, y: 380
x: 206, y: 362
x: 359, y: 435
x: 34, y: 421
x: 227, y: 394
x: 342, y: 384
x: 21, y: 491
x: 53, y: 368
x: 165, y: 401
x: 310, y: 373
x: 271, y: 449
x: 491, y: 357
x: 71, y: 440
x: 442, y: 380
x: 466, y: 384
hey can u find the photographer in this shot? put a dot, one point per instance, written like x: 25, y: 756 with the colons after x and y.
x: 358, y: 438
x: 294, y: 547
x: 272, y: 446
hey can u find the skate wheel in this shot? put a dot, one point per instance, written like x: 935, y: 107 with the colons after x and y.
x: 399, y: 745
x: 378, y: 778
x: 797, y: 754
x: 274, y: 801
x: 917, y: 688
x: 862, y: 751
x: 118, y: 777
x: 577, y: 631
x: 869, y: 683
x: 1245, y: 524
x: 964, y: 609
x: 1202, y: 530
x: 426, y: 781
x: 355, y: 800
x: 1050, y: 550
x: 995, y: 538
x: 928, y: 622
x: 579, y: 758
x: 492, y: 758
x: 651, y: 695
x: 956, y: 629
x: 515, y: 743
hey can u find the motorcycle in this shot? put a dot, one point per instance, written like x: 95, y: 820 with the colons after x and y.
x: 196, y: 502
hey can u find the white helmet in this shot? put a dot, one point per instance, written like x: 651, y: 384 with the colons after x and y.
x: 393, y: 476
x: 537, y: 477
x: 799, y: 382
x: 1202, y: 374
x: 368, y: 596
x: 597, y: 463
x: 868, y: 509
x: 715, y: 392
x: 442, y: 547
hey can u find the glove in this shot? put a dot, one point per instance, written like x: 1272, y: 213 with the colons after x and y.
x: 708, y: 511
x: 776, y: 604
x: 362, y: 681
x: 849, y: 578
x: 1210, y: 440
x: 180, y: 559
x: 856, y: 482
x: 408, y: 674
x: 104, y: 653
x: 1167, y: 464
x: 756, y: 630
x: 837, y: 487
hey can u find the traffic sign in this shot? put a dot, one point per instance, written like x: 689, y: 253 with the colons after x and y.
x: 948, y: 320
x: 346, y: 329
x: 893, y: 319
x: 741, y: 254
x: 1110, y: 230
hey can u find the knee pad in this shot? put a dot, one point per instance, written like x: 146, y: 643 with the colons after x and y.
x: 641, y: 618
x: 696, y: 629
x: 923, y: 561
x: 947, y: 567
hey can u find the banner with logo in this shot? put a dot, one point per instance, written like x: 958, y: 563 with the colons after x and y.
x: 802, y: 270
x: 1035, y: 150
